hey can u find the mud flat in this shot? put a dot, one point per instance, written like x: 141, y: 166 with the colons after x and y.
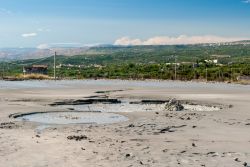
x: 212, y: 130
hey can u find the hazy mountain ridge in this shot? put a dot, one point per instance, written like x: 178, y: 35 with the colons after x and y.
x: 34, y: 53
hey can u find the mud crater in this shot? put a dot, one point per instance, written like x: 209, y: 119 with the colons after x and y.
x: 113, y: 105
x: 105, y: 110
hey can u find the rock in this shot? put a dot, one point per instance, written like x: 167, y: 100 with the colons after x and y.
x: 77, y: 138
x: 245, y: 164
x: 8, y: 125
x: 174, y: 105
x: 237, y: 160
x: 211, y: 153
x: 131, y: 126
x: 193, y: 144
x: 166, y: 150
x: 168, y: 129
x: 128, y: 155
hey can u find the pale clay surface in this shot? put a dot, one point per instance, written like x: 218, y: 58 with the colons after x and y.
x: 168, y: 139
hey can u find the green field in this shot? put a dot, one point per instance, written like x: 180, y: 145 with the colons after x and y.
x: 147, y: 62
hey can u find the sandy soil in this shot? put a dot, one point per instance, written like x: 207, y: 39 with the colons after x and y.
x: 164, y: 139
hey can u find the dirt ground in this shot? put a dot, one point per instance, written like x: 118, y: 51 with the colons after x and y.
x: 157, y: 139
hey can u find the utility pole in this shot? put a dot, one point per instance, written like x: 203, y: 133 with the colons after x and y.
x: 206, y: 75
x: 175, y: 69
x: 24, y: 71
x: 3, y: 70
x: 55, y: 66
x: 231, y: 75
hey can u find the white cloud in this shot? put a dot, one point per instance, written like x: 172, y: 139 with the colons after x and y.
x: 33, y: 34
x: 128, y: 41
x: 246, y: 1
x: 182, y: 39
x: 59, y: 44
x: 43, y: 46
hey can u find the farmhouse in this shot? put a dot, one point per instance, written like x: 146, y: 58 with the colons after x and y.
x: 36, y: 69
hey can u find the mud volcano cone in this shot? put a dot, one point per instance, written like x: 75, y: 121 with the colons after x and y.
x: 174, y: 105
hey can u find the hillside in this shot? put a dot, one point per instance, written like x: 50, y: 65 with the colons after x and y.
x: 149, y: 55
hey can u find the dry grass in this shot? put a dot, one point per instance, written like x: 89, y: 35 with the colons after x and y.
x: 244, y: 82
x: 34, y: 76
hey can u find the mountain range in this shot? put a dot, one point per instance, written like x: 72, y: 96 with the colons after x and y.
x: 8, y: 54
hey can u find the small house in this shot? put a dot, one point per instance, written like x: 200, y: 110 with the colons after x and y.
x: 36, y: 69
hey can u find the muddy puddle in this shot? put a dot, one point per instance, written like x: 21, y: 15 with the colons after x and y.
x: 65, y: 118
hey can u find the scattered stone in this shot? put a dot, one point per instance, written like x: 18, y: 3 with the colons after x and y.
x: 171, y: 129
x: 166, y: 150
x: 131, y: 126
x: 168, y: 129
x: 128, y: 155
x: 211, y: 153
x: 174, y: 105
x: 77, y: 138
x: 8, y: 125
x: 237, y: 160
x: 170, y: 115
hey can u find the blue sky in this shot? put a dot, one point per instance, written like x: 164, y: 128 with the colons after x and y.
x: 44, y: 23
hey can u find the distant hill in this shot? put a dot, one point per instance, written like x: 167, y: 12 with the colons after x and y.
x: 33, y: 53
x: 106, y: 55
x: 109, y: 54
